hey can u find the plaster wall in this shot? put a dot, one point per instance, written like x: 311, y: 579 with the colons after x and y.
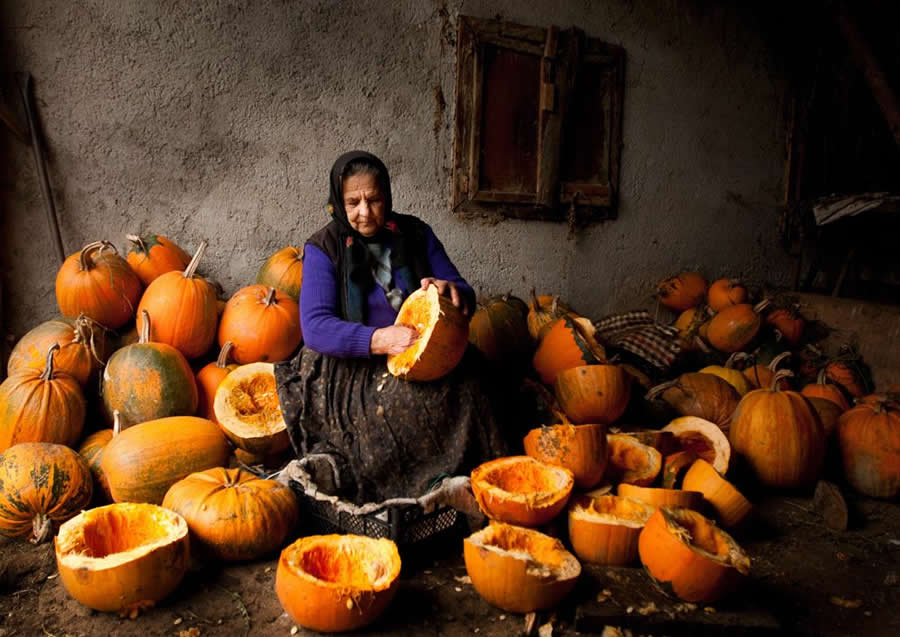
x: 219, y: 120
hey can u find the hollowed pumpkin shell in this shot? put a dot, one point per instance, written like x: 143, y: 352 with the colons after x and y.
x: 335, y: 583
x: 605, y: 529
x: 122, y: 557
x: 593, y: 393
x: 248, y: 411
x: 730, y: 505
x: 690, y: 556
x: 519, y: 570
x: 582, y: 449
x: 632, y: 462
x: 657, y: 497
x: 703, y: 438
x: 443, y: 335
x: 521, y: 490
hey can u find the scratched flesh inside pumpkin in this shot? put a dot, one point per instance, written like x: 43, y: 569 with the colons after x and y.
x: 346, y: 563
x: 705, y: 538
x: 526, y: 477
x: 545, y: 555
x: 613, y: 509
x: 256, y: 410
x: 422, y: 317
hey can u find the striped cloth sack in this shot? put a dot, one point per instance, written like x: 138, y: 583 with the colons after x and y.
x: 636, y: 332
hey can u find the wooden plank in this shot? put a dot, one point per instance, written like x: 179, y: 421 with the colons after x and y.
x: 465, y: 66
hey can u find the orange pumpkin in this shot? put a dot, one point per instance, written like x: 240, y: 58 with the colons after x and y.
x: 521, y: 490
x: 543, y: 310
x: 153, y: 255
x: 593, y: 393
x: 632, y: 462
x: 283, y: 271
x: 519, y: 570
x: 248, y: 411
x: 688, y: 324
x: 683, y: 291
x: 724, y: 293
x: 336, y: 583
x: 142, y: 462
x: 730, y: 505
x: 822, y: 389
x: 122, y: 557
x: 92, y: 452
x: 581, y: 449
x: 41, y: 485
x: 41, y: 406
x: 846, y: 374
x: 780, y: 436
x: 729, y: 374
x: 146, y: 381
x: 675, y: 466
x: 869, y: 436
x: 98, y: 283
x: 604, y: 529
x: 789, y: 323
x: 568, y: 342
x: 208, y: 380
x: 828, y: 412
x: 183, y: 307
x: 689, y: 556
x: 760, y: 376
x: 262, y: 323
x: 662, y: 497
x: 232, y: 513
x: 735, y: 327
x: 703, y: 438
x: 703, y: 395
x: 498, y: 330
x: 82, y: 348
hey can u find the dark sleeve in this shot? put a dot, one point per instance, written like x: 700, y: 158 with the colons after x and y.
x: 442, y: 268
x: 323, y: 329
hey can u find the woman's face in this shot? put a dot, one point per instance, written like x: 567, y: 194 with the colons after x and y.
x: 364, y: 204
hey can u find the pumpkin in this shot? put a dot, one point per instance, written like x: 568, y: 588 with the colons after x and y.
x: 725, y: 292
x: 846, y: 374
x: 568, y: 342
x: 247, y: 409
x: 703, y: 395
x: 822, y: 389
x: 183, y: 307
x: 735, y: 327
x: 143, y: 461
x: 703, y: 438
x: 662, y: 497
x: 593, y: 393
x: 869, y: 436
x: 544, y: 310
x: 688, y: 324
x: 788, y: 323
x: 209, y: 378
x: 98, y: 283
x: 232, y: 513
x: 82, y: 348
x: 674, y: 468
x: 604, y: 529
x: 262, y: 323
x: 283, y: 271
x: 829, y: 412
x: 761, y: 375
x: 122, y: 557
x: 779, y: 435
x: 443, y: 333
x: 521, y: 490
x: 519, y: 570
x: 732, y: 376
x: 683, y: 291
x: 147, y: 381
x: 41, y: 406
x: 152, y: 255
x: 91, y: 450
x: 581, y: 449
x: 690, y: 557
x: 498, y: 330
x: 267, y: 461
x: 632, y: 462
x: 41, y: 485
x: 730, y: 506
x: 336, y: 583
x: 663, y: 441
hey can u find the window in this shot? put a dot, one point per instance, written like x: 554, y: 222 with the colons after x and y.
x: 538, y: 122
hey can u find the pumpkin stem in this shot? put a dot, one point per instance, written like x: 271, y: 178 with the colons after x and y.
x: 84, y: 261
x: 534, y: 300
x: 821, y: 379
x: 48, y: 368
x: 653, y: 392
x: 85, y: 333
x: 781, y: 373
x: 117, y: 422
x: 195, y: 261
x: 734, y: 358
x: 554, y: 306
x: 145, y: 327
x: 41, y: 526
x: 773, y: 364
x: 222, y: 361
x: 759, y: 307
x: 270, y: 298
x: 136, y: 240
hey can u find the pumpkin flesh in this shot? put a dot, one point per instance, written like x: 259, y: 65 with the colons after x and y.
x: 605, y: 529
x: 521, y: 490
x: 248, y: 411
x: 632, y: 462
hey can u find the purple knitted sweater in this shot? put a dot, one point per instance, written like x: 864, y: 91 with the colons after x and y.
x: 323, y: 329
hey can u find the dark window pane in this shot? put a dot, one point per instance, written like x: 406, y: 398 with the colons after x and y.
x: 585, y: 156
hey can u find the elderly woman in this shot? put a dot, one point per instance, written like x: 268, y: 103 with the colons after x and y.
x: 388, y: 437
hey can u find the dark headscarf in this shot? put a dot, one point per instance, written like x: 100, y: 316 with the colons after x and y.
x: 408, y: 262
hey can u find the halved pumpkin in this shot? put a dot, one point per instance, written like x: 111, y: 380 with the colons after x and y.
x: 704, y: 438
x: 519, y: 570
x: 521, y: 490
x: 730, y: 505
x: 582, y: 449
x: 122, y: 557
x: 605, y: 529
x: 248, y: 411
x: 443, y: 335
x: 632, y: 462
x: 335, y: 583
x: 656, y: 497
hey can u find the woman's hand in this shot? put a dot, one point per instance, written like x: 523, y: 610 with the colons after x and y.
x: 442, y: 287
x: 393, y: 339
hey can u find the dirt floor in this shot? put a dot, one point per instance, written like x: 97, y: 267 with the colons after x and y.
x: 806, y: 580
